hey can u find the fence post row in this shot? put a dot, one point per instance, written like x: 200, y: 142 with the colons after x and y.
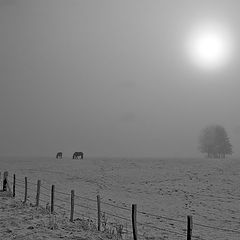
x: 134, y: 221
x: 189, y: 227
x: 38, y: 192
x: 99, y: 212
x: 72, y: 206
x: 134, y: 206
x: 52, y: 198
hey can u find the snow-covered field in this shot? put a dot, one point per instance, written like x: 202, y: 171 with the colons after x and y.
x: 207, y: 189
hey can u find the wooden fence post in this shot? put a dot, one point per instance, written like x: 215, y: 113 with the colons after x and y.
x: 14, y: 184
x: 6, y: 185
x: 25, y: 196
x: 99, y: 212
x: 189, y: 227
x: 72, y: 206
x: 38, y: 192
x: 134, y: 221
x: 52, y: 198
x: 5, y: 175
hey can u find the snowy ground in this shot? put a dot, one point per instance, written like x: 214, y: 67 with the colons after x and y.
x: 170, y: 189
x: 23, y: 221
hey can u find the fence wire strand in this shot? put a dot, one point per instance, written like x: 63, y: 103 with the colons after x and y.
x: 217, y: 228
x: 112, y: 205
x: 62, y: 207
x: 82, y: 214
x: 85, y: 198
x: 159, y: 216
x: 19, y: 185
x: 43, y: 200
x: 120, y: 217
x: 60, y: 199
x: 80, y: 205
x: 47, y: 195
x: 48, y: 189
x: 161, y: 229
x: 63, y: 193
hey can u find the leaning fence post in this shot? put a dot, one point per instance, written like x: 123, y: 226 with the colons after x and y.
x: 189, y: 227
x: 72, y: 206
x: 52, y: 198
x: 25, y: 195
x: 134, y: 221
x: 14, y: 184
x: 38, y: 192
x: 99, y: 212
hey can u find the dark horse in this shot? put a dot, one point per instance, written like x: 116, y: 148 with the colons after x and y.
x: 59, y: 155
x: 77, y: 154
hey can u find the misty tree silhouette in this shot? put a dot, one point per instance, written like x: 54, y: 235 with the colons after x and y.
x: 215, y: 142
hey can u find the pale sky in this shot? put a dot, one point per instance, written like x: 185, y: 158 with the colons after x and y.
x: 112, y: 78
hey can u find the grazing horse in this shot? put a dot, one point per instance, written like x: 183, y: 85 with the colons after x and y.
x: 77, y: 154
x: 59, y: 155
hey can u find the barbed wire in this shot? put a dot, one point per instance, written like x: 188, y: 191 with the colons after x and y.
x: 21, y: 181
x: 159, y: 216
x: 48, y: 189
x: 79, y: 205
x: 112, y: 205
x: 62, y: 200
x: 19, y: 185
x: 161, y: 229
x: 216, y: 228
x: 63, y: 193
x: 44, y: 194
x: 19, y: 192
x: 224, y: 220
x: 216, y: 197
x: 47, y: 182
x: 199, y: 238
x: 62, y: 207
x: 85, y: 198
x: 29, y: 188
x: 198, y: 194
x: 31, y: 183
x: 81, y: 214
x: 120, y: 217
x: 140, y: 212
x: 40, y: 199
x: 114, y: 224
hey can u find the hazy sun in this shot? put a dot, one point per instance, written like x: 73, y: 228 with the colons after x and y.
x: 209, y: 46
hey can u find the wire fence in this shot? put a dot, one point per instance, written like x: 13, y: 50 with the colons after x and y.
x: 122, y: 219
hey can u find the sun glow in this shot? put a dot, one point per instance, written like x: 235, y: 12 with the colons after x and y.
x: 209, y: 46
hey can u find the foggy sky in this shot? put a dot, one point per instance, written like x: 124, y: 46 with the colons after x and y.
x: 111, y: 78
